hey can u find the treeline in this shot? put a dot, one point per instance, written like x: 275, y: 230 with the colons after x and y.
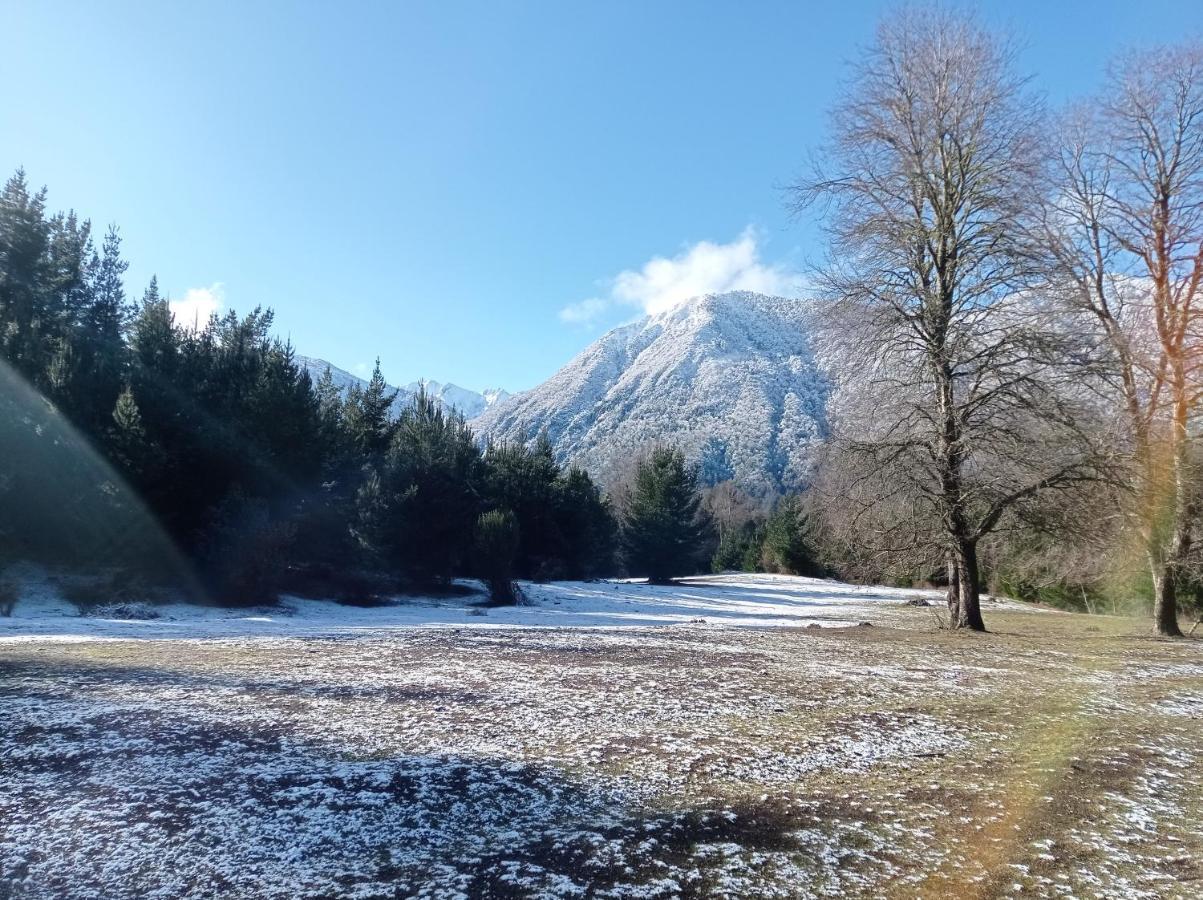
x: 207, y: 458
x: 120, y: 423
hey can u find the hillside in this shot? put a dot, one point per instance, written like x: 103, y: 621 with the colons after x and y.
x: 727, y: 377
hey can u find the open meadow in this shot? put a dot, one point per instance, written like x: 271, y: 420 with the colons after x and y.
x: 730, y: 736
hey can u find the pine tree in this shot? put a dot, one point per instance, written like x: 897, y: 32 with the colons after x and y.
x: 424, y: 509
x: 586, y: 525
x: 24, y: 275
x: 330, y: 411
x: 664, y: 530
x: 369, y: 417
x: 524, y: 481
x: 127, y: 436
x: 495, y: 544
x: 98, y: 338
x: 787, y: 546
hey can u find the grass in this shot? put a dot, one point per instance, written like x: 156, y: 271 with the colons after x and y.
x: 1057, y: 755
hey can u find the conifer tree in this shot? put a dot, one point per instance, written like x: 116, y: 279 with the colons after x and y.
x: 423, y: 510
x: 495, y: 545
x: 24, y: 276
x: 525, y: 482
x: 99, y: 336
x: 787, y: 546
x: 368, y: 416
x: 586, y: 525
x: 664, y: 530
x: 127, y: 436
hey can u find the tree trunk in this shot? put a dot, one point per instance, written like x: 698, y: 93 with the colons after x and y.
x: 1165, y: 602
x: 953, y: 596
x: 969, y: 612
x: 1167, y: 566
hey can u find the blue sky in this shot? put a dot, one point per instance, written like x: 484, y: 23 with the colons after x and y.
x: 471, y: 191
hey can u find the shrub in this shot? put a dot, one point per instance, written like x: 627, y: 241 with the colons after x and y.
x: 120, y: 587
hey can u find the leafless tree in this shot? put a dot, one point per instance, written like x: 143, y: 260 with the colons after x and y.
x: 1126, y: 227
x: 731, y: 508
x: 957, y: 402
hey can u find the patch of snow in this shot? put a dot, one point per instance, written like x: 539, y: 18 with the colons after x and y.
x: 766, y: 601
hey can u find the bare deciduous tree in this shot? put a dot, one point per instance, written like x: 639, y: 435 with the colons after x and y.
x: 1126, y: 228
x: 956, y: 401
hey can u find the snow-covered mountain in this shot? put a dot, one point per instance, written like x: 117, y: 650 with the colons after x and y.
x: 726, y: 377
x: 452, y: 396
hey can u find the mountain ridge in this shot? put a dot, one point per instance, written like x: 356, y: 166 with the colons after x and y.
x: 728, y: 377
x: 466, y: 401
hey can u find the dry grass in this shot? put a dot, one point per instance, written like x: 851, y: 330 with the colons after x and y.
x: 1058, y: 755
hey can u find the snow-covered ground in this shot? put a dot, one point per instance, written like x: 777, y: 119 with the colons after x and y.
x: 669, y: 749
x: 734, y: 600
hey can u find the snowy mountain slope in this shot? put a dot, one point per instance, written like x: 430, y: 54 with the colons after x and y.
x: 469, y: 403
x: 727, y: 377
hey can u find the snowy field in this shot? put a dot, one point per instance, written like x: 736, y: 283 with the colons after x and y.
x: 737, y: 600
x: 605, y: 740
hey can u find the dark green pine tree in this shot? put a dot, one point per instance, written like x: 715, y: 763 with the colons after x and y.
x: 127, y: 442
x: 284, y: 421
x: 337, y: 450
x: 368, y: 415
x: 525, y: 481
x: 98, y: 338
x: 65, y: 299
x: 586, y: 525
x: 27, y: 318
x: 787, y: 543
x: 418, y: 515
x: 664, y: 531
x: 326, y: 532
x: 495, y: 543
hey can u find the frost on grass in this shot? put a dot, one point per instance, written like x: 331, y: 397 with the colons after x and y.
x: 552, y: 764
x: 691, y: 761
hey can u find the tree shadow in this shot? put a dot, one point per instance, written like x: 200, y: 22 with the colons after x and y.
x: 173, y: 797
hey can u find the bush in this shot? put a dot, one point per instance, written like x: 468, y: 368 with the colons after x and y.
x: 118, y: 588
x: 495, y: 546
x: 346, y: 584
x: 124, y: 610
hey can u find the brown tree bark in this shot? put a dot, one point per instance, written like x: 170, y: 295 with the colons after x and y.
x: 969, y: 612
x: 953, y: 597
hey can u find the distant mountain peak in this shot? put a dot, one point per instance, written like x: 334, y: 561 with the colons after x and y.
x: 467, y: 402
x: 728, y: 377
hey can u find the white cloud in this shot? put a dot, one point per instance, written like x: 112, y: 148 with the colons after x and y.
x: 197, y: 305
x: 585, y: 311
x: 704, y: 268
